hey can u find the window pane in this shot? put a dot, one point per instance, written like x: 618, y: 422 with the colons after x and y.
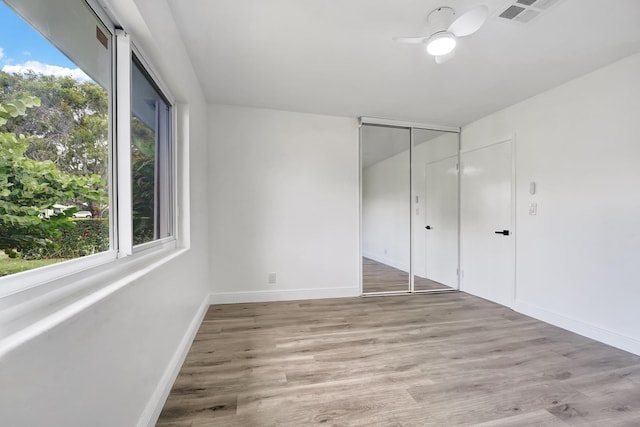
x: 54, y: 141
x: 150, y: 158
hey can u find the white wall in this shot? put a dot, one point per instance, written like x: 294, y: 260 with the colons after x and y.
x: 577, y: 259
x: 283, y: 193
x: 110, y: 364
x: 386, y: 211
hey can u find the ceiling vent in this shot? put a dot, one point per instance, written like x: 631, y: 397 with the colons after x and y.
x: 524, y: 11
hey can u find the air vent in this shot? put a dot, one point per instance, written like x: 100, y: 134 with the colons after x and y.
x: 524, y: 11
x: 511, y: 12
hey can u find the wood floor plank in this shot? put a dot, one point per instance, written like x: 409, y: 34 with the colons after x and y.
x: 379, y: 277
x: 423, y: 360
x: 541, y: 418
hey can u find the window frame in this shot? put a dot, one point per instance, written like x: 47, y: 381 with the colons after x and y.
x: 159, y: 85
x: 65, y: 277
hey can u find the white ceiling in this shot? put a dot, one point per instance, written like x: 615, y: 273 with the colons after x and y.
x: 337, y: 56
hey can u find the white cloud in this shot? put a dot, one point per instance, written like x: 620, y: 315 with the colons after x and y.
x: 46, y: 69
x: 1, y: 52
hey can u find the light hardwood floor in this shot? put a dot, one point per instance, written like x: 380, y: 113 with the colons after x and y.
x: 378, y: 277
x: 422, y: 360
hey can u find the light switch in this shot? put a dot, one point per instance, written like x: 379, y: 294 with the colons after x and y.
x: 533, y: 209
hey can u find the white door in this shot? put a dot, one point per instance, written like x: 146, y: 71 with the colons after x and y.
x: 488, y: 244
x: 441, y: 216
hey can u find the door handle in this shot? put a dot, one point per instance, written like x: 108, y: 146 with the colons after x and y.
x: 504, y: 232
x: 428, y: 227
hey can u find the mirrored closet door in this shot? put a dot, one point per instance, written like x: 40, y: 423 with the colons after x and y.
x: 409, y: 209
x: 435, y: 210
x: 385, y: 214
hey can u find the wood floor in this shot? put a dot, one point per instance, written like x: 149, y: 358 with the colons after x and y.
x: 378, y: 277
x: 422, y: 360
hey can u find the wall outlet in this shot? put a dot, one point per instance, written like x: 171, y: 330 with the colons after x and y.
x: 271, y: 278
x: 533, y: 209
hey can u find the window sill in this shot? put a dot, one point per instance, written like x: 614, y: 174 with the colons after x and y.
x: 27, y: 314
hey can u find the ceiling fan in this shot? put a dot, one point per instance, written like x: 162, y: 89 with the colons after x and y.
x: 445, y: 30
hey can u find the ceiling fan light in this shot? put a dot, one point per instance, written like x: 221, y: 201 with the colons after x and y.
x: 441, y: 44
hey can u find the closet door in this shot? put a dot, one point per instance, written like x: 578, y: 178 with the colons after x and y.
x: 435, y: 210
x: 385, y: 162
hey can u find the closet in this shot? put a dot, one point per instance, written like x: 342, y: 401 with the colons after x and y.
x: 409, y: 208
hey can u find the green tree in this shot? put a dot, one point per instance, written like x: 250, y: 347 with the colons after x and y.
x: 143, y: 146
x: 28, y: 187
x: 70, y: 127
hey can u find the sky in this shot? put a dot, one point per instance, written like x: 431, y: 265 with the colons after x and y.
x: 22, y: 48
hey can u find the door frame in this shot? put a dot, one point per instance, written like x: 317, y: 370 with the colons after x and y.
x: 514, y: 225
x: 411, y: 126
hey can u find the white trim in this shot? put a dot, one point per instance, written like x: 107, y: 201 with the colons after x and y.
x: 282, y: 295
x: 499, y: 141
x: 412, y: 231
x: 154, y: 406
x: 360, y: 222
x: 123, y: 143
x: 514, y: 216
x: 19, y: 326
x: 182, y: 195
x: 459, y: 218
x: 386, y: 293
x: 579, y: 327
x: 436, y: 291
x: 403, y: 124
x: 26, y: 280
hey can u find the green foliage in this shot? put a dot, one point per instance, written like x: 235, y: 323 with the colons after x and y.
x: 70, y: 128
x: 143, y: 156
x: 28, y: 187
x: 17, y: 108
x: 86, y: 237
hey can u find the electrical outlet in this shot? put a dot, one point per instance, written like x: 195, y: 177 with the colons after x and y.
x: 533, y: 209
x: 271, y: 278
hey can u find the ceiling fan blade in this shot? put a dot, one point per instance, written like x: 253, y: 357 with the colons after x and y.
x: 410, y: 40
x: 470, y: 22
x: 444, y: 58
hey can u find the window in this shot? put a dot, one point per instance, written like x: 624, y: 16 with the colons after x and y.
x: 55, y: 139
x: 60, y: 176
x: 150, y: 158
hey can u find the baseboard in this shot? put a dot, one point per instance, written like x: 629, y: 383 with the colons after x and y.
x: 579, y: 327
x: 151, y: 412
x: 281, y: 295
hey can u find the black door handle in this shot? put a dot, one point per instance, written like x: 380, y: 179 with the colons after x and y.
x: 428, y: 227
x: 505, y: 232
